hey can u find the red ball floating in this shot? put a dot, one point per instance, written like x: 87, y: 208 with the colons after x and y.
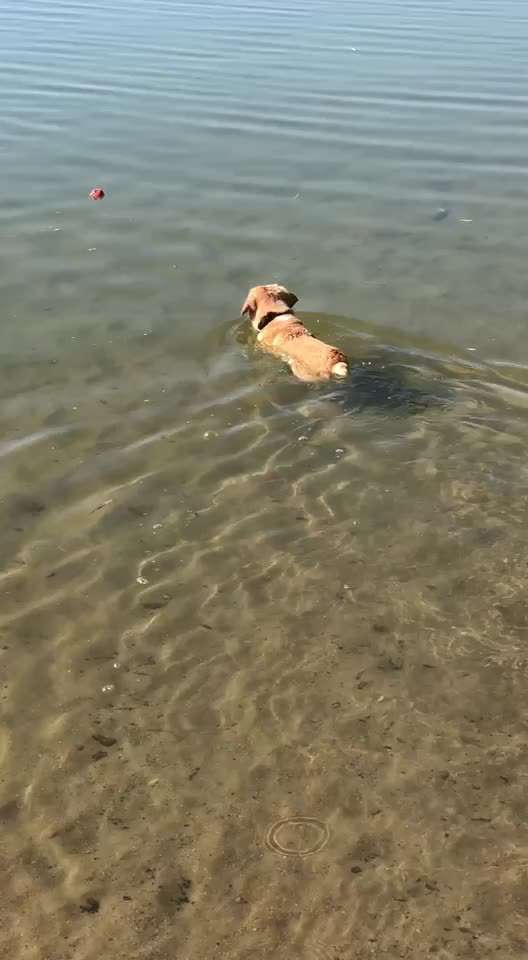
x: 97, y: 193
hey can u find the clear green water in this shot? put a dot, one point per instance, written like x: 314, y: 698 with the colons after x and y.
x: 283, y: 603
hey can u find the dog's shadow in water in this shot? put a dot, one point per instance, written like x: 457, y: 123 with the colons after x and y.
x: 378, y: 382
x: 389, y: 387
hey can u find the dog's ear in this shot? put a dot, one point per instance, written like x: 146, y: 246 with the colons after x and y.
x: 278, y: 292
x: 289, y: 298
x: 249, y: 305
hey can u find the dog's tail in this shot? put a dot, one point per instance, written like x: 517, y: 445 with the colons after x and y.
x: 340, y: 369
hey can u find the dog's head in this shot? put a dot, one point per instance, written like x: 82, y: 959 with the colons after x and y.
x: 265, y: 302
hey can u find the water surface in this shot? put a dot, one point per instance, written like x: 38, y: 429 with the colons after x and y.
x: 263, y: 644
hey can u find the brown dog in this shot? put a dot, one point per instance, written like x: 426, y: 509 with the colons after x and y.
x: 270, y: 309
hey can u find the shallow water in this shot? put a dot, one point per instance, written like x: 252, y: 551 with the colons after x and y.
x: 264, y: 644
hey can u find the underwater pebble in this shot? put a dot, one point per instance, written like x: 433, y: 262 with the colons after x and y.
x: 104, y: 741
x: 89, y: 905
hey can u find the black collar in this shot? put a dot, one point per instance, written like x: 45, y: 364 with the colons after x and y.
x: 269, y: 317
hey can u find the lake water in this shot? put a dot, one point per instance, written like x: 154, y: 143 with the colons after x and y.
x: 264, y: 645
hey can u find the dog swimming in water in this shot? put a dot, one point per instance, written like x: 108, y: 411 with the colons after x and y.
x: 279, y: 331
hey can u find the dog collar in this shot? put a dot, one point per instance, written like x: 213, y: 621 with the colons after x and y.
x: 269, y: 317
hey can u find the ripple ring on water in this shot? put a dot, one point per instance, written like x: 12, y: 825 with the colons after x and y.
x: 302, y: 826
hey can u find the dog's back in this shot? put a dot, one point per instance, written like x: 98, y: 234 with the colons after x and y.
x: 309, y: 357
